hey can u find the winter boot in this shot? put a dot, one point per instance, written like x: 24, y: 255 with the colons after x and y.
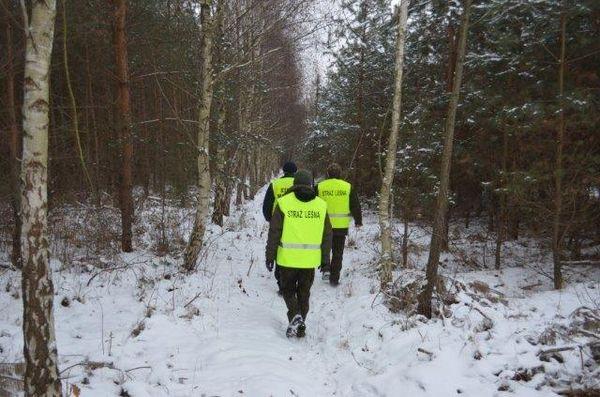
x: 334, y: 283
x: 292, y: 329
x: 325, y: 275
x: 301, y: 333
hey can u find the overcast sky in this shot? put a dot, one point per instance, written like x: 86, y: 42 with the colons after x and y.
x: 314, y: 61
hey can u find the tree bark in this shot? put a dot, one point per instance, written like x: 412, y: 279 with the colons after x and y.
x: 206, y: 95
x: 452, y: 52
x: 220, y: 179
x: 123, y: 124
x: 246, y: 173
x: 41, y: 369
x: 230, y: 162
x: 239, y: 192
x: 107, y: 152
x: 145, y: 143
x: 93, y: 128
x: 74, y: 115
x: 405, y: 242
x: 390, y: 161
x: 442, y: 198
x: 502, y: 216
x: 14, y: 146
x: 558, y: 170
x: 250, y: 160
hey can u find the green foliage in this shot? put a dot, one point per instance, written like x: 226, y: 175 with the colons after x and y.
x: 353, y: 105
x: 510, y: 92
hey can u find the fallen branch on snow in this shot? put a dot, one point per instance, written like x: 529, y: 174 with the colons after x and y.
x: 548, y: 352
x: 581, y: 263
x: 472, y: 306
x: 430, y: 354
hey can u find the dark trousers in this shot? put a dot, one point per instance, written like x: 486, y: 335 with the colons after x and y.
x: 278, y: 276
x: 337, y: 255
x: 295, y: 286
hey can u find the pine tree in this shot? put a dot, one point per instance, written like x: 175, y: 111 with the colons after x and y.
x: 356, y: 99
x: 442, y: 200
x: 124, y: 125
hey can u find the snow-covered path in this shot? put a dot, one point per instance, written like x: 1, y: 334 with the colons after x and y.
x: 219, y: 332
x: 244, y: 350
x: 146, y: 330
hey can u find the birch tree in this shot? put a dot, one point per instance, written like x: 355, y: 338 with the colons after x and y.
x: 390, y: 162
x: 39, y: 348
x: 441, y: 206
x: 209, y: 26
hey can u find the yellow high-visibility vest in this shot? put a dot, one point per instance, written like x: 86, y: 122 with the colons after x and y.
x: 280, y: 187
x: 303, y: 225
x: 336, y: 194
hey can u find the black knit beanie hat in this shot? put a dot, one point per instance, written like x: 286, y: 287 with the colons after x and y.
x: 290, y: 167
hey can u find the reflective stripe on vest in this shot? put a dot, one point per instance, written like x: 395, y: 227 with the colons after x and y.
x: 339, y: 215
x: 301, y: 246
x: 303, y: 226
x: 336, y: 193
x: 280, y: 187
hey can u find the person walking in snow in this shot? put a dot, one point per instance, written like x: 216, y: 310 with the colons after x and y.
x: 277, y: 188
x: 342, y: 203
x: 299, y: 241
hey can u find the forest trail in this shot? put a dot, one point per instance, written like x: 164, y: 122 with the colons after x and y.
x: 140, y: 328
x: 217, y: 332
x: 247, y: 352
x: 485, y: 124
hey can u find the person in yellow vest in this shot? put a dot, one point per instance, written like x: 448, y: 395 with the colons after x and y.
x: 342, y: 203
x: 277, y: 188
x: 299, y: 242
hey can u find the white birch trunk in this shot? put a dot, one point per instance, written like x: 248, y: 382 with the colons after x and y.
x: 41, y: 369
x: 390, y: 161
x: 209, y: 24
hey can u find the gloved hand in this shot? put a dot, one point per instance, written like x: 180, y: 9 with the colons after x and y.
x: 270, y: 263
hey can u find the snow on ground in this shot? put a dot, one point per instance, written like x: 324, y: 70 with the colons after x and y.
x: 146, y: 330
